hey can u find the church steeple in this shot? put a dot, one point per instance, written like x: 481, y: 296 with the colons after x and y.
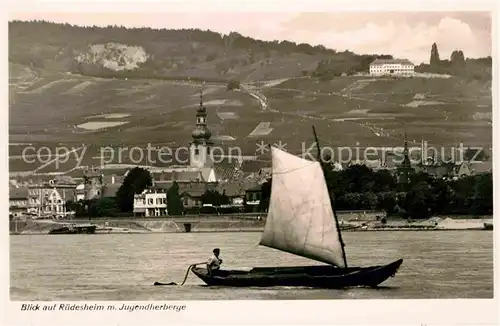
x: 201, y: 98
x: 201, y: 133
x: 406, y: 157
x: 405, y: 169
x: 199, y: 149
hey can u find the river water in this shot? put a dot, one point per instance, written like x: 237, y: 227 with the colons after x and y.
x: 437, y: 264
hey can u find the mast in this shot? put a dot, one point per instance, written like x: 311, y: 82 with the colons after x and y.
x: 332, y: 199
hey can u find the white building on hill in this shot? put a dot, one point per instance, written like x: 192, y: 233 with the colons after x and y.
x: 398, y: 67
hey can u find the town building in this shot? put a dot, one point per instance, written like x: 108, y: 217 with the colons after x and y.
x: 48, y: 199
x: 482, y: 167
x: 397, y: 67
x: 449, y: 170
x: 253, y: 197
x: 235, y: 192
x: 92, y: 184
x: 18, y: 202
x: 44, y: 197
x: 191, y: 195
x: 97, y: 185
x: 190, y: 192
x: 151, y: 202
x: 374, y: 164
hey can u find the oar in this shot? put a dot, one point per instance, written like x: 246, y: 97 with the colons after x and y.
x: 185, y: 277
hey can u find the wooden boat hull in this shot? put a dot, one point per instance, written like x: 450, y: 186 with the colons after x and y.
x: 74, y: 230
x: 305, y: 276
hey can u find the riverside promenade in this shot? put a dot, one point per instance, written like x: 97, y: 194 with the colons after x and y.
x: 189, y: 223
x: 250, y: 222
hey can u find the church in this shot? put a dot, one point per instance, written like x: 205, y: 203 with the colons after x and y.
x: 201, y: 166
x: 200, y: 175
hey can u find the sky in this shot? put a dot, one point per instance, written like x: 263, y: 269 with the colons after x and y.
x: 403, y: 34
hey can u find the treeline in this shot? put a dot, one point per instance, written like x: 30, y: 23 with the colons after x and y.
x: 457, y: 65
x: 355, y: 188
x: 346, y: 63
x: 42, y: 44
x: 360, y: 188
x: 52, y: 46
x: 67, y: 34
x: 198, y: 54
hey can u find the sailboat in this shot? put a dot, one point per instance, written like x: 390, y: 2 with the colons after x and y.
x: 301, y: 221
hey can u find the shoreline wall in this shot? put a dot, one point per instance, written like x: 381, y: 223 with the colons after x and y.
x: 349, y: 221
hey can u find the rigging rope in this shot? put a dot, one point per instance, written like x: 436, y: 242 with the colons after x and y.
x: 185, y: 276
x: 204, y: 262
x: 188, y: 270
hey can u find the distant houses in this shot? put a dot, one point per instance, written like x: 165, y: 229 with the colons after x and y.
x: 18, y: 201
x: 45, y: 198
x: 229, y: 177
x: 392, y: 67
x: 204, y: 186
x: 435, y: 167
x: 235, y: 184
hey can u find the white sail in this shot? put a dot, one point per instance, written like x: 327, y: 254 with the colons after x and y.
x: 300, y: 219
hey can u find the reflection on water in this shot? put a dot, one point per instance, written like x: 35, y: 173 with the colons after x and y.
x: 447, y: 264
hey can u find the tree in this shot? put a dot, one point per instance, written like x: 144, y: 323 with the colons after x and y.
x: 233, y: 84
x: 369, y: 200
x: 482, y: 198
x: 434, y: 61
x: 442, y: 196
x: 457, y: 59
x: 417, y: 177
x: 224, y: 199
x: 462, y: 191
x: 135, y: 182
x: 419, y: 200
x: 265, y: 195
x: 384, y: 181
x: 174, y: 200
x: 213, y: 197
x: 105, y: 207
x: 71, y: 206
x: 358, y: 178
x: 387, y: 201
x: 79, y: 207
x: 350, y: 200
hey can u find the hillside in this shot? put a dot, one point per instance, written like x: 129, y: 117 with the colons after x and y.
x: 125, y: 87
x: 365, y: 111
x: 117, y: 51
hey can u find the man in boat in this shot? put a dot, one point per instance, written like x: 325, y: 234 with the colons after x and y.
x: 213, y: 264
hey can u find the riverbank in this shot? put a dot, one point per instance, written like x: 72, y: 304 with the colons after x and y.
x: 232, y: 224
